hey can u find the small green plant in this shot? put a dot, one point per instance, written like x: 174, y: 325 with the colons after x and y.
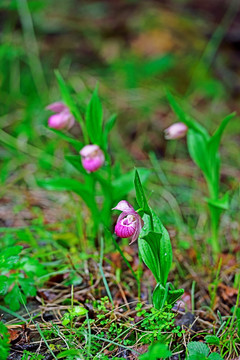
x: 157, y: 322
x: 29, y: 355
x: 106, y: 329
x: 4, y: 342
x: 100, y: 184
x: 18, y: 274
x: 204, y: 151
x: 75, y: 312
x: 200, y: 351
x: 154, y: 243
x: 212, y: 340
x: 156, y: 351
x: 71, y: 354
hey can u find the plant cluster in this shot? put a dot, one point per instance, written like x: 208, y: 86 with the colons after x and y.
x: 103, y: 187
x: 204, y: 151
x: 106, y: 329
x: 100, y: 184
x: 18, y: 275
x: 77, y: 152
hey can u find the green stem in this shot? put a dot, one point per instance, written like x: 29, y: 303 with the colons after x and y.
x: 215, y: 230
x: 32, y: 47
x: 102, y: 272
x: 139, y: 276
x: 215, y: 217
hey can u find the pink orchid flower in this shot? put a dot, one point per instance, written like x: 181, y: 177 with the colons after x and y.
x: 175, y: 131
x: 92, y: 158
x: 129, y: 222
x: 63, y: 119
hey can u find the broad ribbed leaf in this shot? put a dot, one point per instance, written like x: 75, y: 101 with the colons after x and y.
x: 212, y: 339
x: 174, y: 295
x: 140, y: 196
x: 94, y: 119
x: 159, y: 296
x: 213, y: 153
x: 149, y: 253
x: 214, y: 141
x: 215, y: 356
x: 165, y: 256
x: 198, y: 347
x: 197, y: 356
x: 155, y: 248
x: 197, y: 146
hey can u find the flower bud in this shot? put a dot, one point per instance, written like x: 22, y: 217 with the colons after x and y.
x: 175, y: 131
x: 129, y: 222
x: 63, y: 118
x: 92, y: 158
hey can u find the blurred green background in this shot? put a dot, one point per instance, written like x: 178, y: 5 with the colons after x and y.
x: 134, y: 50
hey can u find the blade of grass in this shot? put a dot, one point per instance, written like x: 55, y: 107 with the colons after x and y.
x: 102, y: 272
x: 192, y: 295
x: 89, y: 336
x: 3, y: 308
x: 43, y: 337
x: 32, y: 47
x: 121, y: 335
x: 115, y: 343
x: 28, y: 149
x: 139, y: 276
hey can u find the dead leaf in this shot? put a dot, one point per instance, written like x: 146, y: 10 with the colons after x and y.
x: 227, y: 292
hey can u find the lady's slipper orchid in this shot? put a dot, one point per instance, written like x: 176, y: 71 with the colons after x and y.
x: 63, y: 118
x: 129, y: 222
x: 92, y: 158
x: 175, y: 131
